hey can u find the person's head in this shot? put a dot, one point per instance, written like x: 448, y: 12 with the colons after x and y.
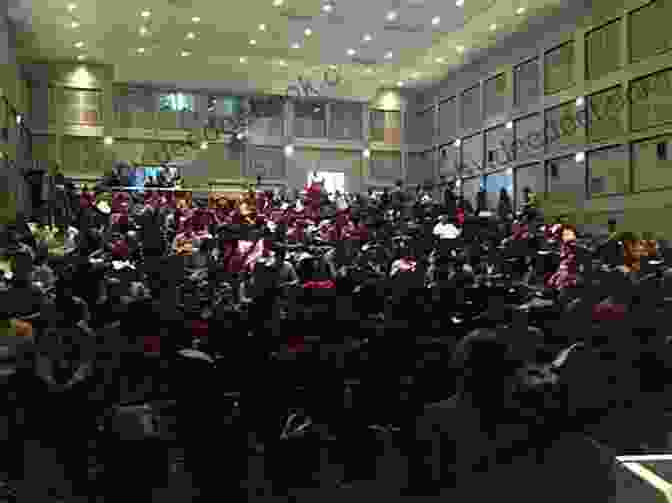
x: 444, y: 219
x: 568, y: 233
x: 633, y: 249
x: 399, y: 184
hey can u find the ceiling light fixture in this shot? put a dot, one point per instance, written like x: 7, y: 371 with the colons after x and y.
x: 81, y: 57
x: 74, y: 24
x: 388, y: 55
x: 204, y: 145
x: 278, y: 3
x: 580, y: 157
x: 400, y: 84
x: 459, y: 3
x: 392, y: 15
x: 366, y: 153
x: 580, y: 101
x: 351, y: 52
x: 196, y: 19
x: 333, y: 67
x: 493, y: 27
x: 72, y: 6
x: 520, y: 10
x: 191, y: 35
x: 185, y: 54
x: 509, y: 125
x: 79, y: 45
x: 141, y: 50
x: 243, y: 60
x: 289, y: 150
x: 143, y: 31
x: 253, y: 42
x: 460, y: 49
x: 328, y: 7
x: 296, y: 45
x: 307, y: 32
x: 109, y: 140
x: 145, y: 13
x: 440, y: 60
x: 416, y: 75
x: 262, y: 27
x: 369, y: 70
x: 436, y: 20
x: 457, y: 142
x: 368, y: 37
x: 282, y: 62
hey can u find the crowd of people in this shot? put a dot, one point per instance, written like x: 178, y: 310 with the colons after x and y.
x: 487, y: 344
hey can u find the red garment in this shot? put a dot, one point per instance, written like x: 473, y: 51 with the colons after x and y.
x: 609, y: 312
x: 565, y: 276
x: 120, y: 202
x: 322, y: 285
x: 199, y: 329
x: 87, y: 200
x: 120, y: 250
x: 520, y: 232
x: 295, y: 343
x: 460, y: 216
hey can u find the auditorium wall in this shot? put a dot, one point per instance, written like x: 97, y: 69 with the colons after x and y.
x: 578, y: 105
x: 76, y: 106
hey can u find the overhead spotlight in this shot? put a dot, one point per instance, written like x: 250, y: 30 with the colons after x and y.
x: 79, y: 45
x: 459, y: 3
x: 580, y: 101
x: 282, y: 62
x: 520, y: 10
x: 204, y: 145
x: 240, y: 136
x: 333, y: 67
x: 145, y: 13
x: 328, y: 7
x: 289, y: 150
x: 509, y: 125
x: 457, y: 142
x: 366, y: 153
x: 296, y: 45
x: 278, y: 3
x: 368, y: 38
x: 307, y: 32
x: 72, y: 6
x: 388, y: 55
x: 262, y: 27
x: 436, y: 20
x: 392, y: 15
x: 440, y: 60
x: 109, y: 140
x: 351, y: 52
x: 460, y: 49
x: 580, y: 157
x: 143, y: 31
x: 191, y: 35
x: 195, y: 19
x: 369, y: 70
x: 400, y: 84
x: 74, y: 24
x: 19, y: 119
x: 243, y: 60
x: 184, y: 54
x: 81, y: 57
x: 493, y: 27
x: 253, y: 42
x: 416, y: 75
x: 141, y: 50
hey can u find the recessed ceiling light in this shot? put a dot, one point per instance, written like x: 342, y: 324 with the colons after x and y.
x: 388, y: 55
x: 243, y: 60
x: 296, y: 45
x: 196, y: 19
x: 520, y: 10
x: 81, y: 57
x: 79, y: 45
x: 369, y: 70
x: 72, y: 6
x: 253, y: 42
x: 416, y: 75
x: 191, y: 35
x: 74, y: 24
x: 278, y: 3
x: 108, y: 140
x: 141, y: 50
x: 262, y: 27
x: 400, y: 84
x: 440, y: 60
x: 436, y: 20
x: 327, y: 7
x: 282, y: 62
x: 493, y: 27
x: 509, y: 125
x: 351, y: 52
x: 459, y: 3
x: 145, y: 13
x: 185, y: 53
x: 333, y: 67
x: 460, y: 49
x: 307, y: 32
x: 392, y: 15
x: 368, y: 37
x: 143, y: 30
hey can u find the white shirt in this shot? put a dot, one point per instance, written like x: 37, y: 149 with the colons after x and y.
x: 446, y: 231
